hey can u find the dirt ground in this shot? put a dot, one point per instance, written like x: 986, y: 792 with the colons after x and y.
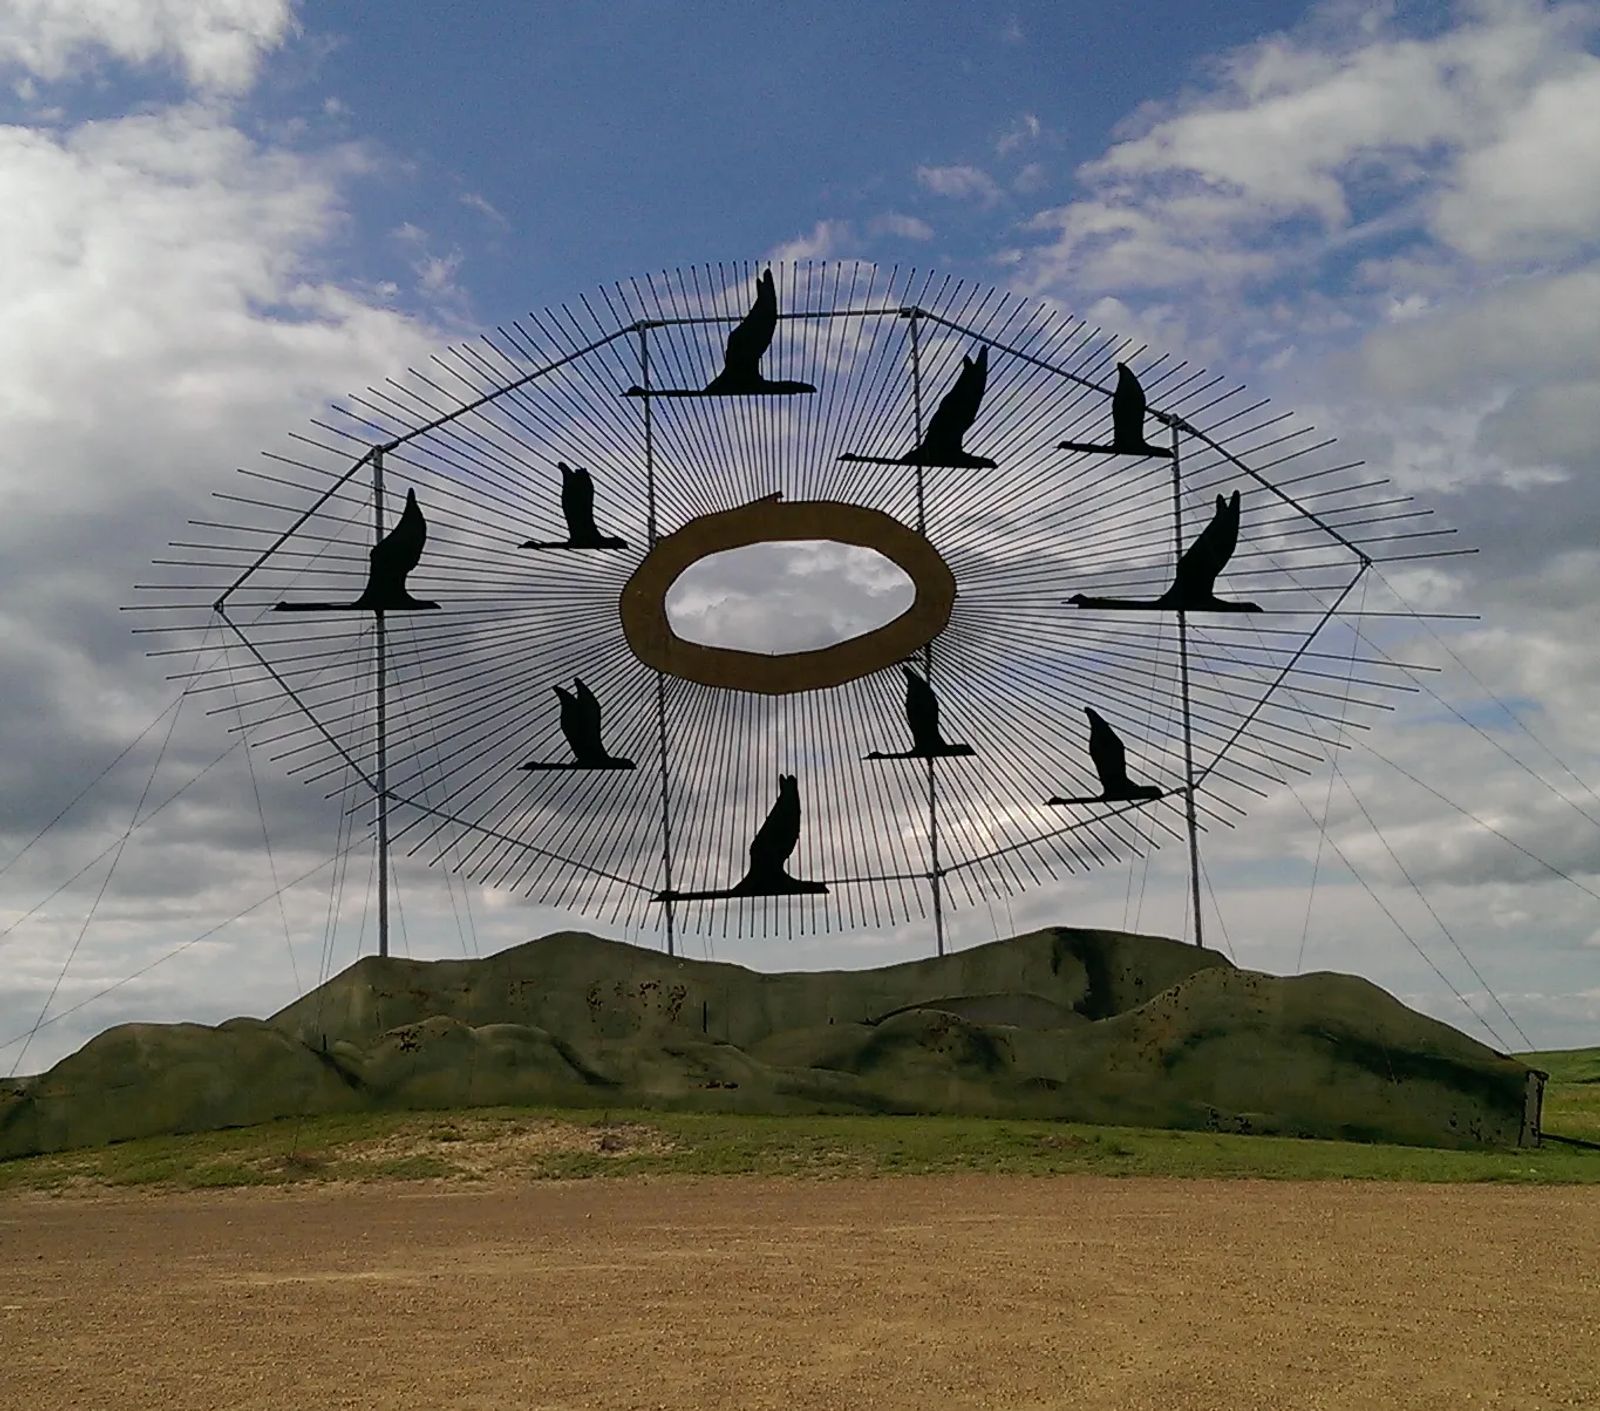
x: 743, y: 1294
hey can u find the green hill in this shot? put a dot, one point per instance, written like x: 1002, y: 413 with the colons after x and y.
x: 1082, y: 1025
x: 1566, y: 1065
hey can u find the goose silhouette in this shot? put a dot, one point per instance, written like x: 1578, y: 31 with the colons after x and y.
x: 1110, y: 758
x: 389, y: 561
x: 580, y: 723
x: 577, y: 506
x: 1127, y: 422
x: 747, y: 344
x: 941, y: 443
x: 1194, y: 582
x: 770, y: 850
x: 922, y: 715
x: 741, y: 374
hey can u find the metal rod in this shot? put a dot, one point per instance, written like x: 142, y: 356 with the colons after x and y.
x: 885, y: 311
x: 661, y: 680
x: 1288, y: 666
x: 522, y: 381
x: 1188, y: 719
x: 380, y: 637
x: 935, y: 877
x: 310, y: 510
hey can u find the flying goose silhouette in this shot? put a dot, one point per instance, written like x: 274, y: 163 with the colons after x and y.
x: 741, y: 361
x: 749, y: 341
x: 1127, y: 422
x: 1110, y: 758
x: 389, y: 561
x: 775, y: 840
x: 922, y: 714
x: 580, y: 723
x: 950, y: 422
x: 1195, y: 580
x: 577, y: 504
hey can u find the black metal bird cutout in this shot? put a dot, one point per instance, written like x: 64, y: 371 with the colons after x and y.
x: 577, y: 504
x: 390, y: 560
x: 580, y: 723
x: 922, y: 714
x: 775, y: 841
x: 1195, y: 580
x: 741, y: 374
x: 1127, y: 422
x: 950, y: 422
x: 1110, y: 758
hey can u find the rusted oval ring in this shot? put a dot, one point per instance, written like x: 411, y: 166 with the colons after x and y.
x: 770, y: 521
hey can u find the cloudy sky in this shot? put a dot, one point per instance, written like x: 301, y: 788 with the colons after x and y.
x: 215, y: 215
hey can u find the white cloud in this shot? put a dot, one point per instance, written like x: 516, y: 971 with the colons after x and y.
x: 905, y: 227
x: 1026, y: 129
x: 437, y: 275
x: 1483, y: 137
x: 960, y: 182
x: 187, y: 249
x: 827, y: 238
x: 436, y: 272
x: 492, y: 213
x: 1526, y: 343
x: 218, y: 44
x: 166, y: 308
x: 1030, y: 178
x: 1534, y: 190
x: 1105, y: 245
x: 765, y: 598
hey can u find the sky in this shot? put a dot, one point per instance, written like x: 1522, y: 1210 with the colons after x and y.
x: 216, y: 215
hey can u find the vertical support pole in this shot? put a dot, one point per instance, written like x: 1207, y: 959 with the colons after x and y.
x: 935, y: 875
x: 382, y: 672
x: 661, y: 680
x: 1188, y: 713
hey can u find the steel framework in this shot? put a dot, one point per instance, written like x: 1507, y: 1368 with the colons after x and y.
x: 459, y: 751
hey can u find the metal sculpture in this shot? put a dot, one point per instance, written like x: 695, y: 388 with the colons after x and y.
x: 922, y: 715
x: 390, y: 564
x: 770, y: 851
x: 1220, y: 699
x: 1110, y: 758
x: 577, y: 507
x: 741, y: 374
x: 1128, y: 407
x: 941, y: 444
x: 650, y: 635
x: 580, y: 723
x: 1194, y: 584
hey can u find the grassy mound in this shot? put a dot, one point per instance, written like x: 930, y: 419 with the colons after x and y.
x: 1084, y: 1026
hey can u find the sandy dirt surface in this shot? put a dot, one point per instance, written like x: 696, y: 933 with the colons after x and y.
x: 743, y: 1294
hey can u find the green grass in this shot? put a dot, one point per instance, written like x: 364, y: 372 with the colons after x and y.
x: 542, y: 1144
x: 1566, y: 1065
x: 1572, y: 1096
